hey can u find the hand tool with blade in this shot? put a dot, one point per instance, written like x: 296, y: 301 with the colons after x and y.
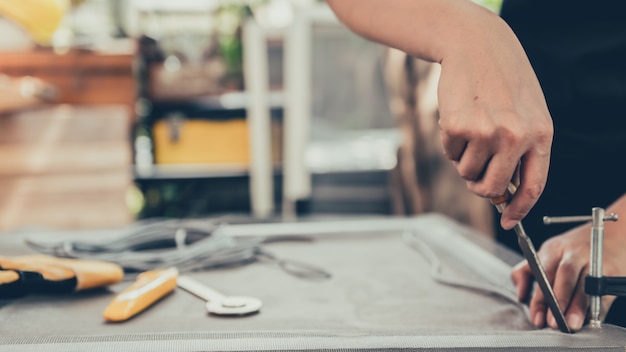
x: 530, y: 254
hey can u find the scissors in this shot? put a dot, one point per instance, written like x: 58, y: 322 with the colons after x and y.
x: 533, y: 261
x: 217, y: 303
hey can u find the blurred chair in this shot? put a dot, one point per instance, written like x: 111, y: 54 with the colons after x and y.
x: 425, y: 181
x: 309, y: 100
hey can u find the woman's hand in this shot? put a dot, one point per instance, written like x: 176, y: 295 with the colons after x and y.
x: 494, y: 120
x: 493, y: 116
x: 566, y: 261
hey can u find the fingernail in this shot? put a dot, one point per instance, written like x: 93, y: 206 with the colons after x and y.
x: 508, y: 224
x: 575, y: 321
x: 538, y: 320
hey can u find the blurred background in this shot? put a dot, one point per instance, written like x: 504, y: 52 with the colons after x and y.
x: 112, y: 111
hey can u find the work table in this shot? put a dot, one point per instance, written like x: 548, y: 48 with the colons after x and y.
x: 381, y: 295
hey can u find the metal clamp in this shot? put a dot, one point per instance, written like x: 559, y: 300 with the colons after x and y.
x: 596, y: 285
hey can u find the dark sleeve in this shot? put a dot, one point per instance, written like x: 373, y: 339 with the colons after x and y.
x: 617, y: 312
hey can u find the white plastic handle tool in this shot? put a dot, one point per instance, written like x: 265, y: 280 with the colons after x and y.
x: 218, y: 303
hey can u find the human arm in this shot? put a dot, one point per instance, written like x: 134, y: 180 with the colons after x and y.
x: 566, y: 262
x: 493, y: 116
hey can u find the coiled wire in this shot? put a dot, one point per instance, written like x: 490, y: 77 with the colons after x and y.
x: 188, y: 245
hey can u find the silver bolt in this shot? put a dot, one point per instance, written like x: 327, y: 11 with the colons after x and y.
x: 549, y: 220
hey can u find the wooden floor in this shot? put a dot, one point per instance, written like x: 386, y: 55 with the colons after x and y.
x: 65, y: 167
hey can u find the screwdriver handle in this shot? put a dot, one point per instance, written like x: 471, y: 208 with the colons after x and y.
x: 501, y: 201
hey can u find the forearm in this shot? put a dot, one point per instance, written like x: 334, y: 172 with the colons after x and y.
x: 428, y: 29
x: 492, y: 113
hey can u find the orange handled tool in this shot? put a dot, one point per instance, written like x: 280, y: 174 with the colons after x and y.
x: 47, y: 274
x: 149, y: 287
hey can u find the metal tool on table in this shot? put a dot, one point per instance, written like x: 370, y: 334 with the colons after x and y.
x: 530, y: 254
x: 596, y: 285
x: 217, y: 303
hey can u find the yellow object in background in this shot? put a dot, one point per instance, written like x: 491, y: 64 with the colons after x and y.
x: 202, y: 142
x: 149, y: 287
x: 39, y: 18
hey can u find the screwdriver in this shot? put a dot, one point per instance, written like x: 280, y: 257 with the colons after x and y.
x: 530, y: 254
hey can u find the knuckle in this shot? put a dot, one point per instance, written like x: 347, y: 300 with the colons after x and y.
x: 489, y: 187
x: 485, y: 133
x: 466, y: 173
x: 542, y: 135
x: 510, y: 136
x: 449, y: 127
x: 551, y: 245
x: 450, y: 156
x: 546, y: 129
x: 568, y: 266
x: 487, y: 191
x: 481, y: 190
x: 492, y: 190
x: 534, y: 190
x: 491, y: 194
x: 545, y: 135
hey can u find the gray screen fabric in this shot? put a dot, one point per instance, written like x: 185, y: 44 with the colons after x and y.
x: 320, y: 341
x: 384, y: 295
